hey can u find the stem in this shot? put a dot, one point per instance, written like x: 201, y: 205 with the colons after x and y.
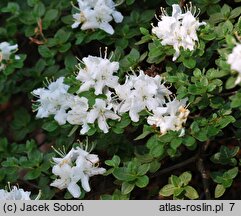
x: 205, y: 177
x: 176, y: 166
x: 203, y: 171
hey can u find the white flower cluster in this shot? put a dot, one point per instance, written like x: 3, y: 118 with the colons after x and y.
x: 138, y: 93
x: 96, y: 14
x: 143, y: 92
x: 55, y: 100
x: 171, y: 117
x: 178, y: 30
x: 77, y: 165
x: 234, y: 59
x: 15, y: 194
x: 5, y: 52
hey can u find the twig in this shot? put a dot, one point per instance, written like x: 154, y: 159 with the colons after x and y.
x: 29, y: 184
x: 205, y: 177
x: 201, y: 168
x: 176, y: 166
x: 227, y: 93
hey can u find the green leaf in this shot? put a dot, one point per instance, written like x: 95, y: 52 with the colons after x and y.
x: 123, y: 174
x: 176, y: 181
x: 114, y: 162
x: 45, y: 51
x: 31, y: 3
x: 219, y: 190
x: 167, y: 190
x: 175, y: 143
x: 62, y: 36
x: 33, y: 174
x: 127, y: 187
x: 191, y: 193
x: 196, y: 90
x: 122, y: 43
x: 143, y: 135
x: 65, y: 47
x: 189, y: 63
x: 130, y: 2
x: 232, y: 173
x: 50, y: 15
x: 230, y: 83
x: 143, y: 169
x: 144, y: 31
x: 236, y: 100
x: 225, y: 10
x: 157, y: 150
x: 50, y: 126
x: 189, y: 141
x: 39, y: 9
x: 12, y: 7
x: 178, y: 191
x: 146, y: 131
x: 152, y: 141
x: 3, y: 145
x: 202, y: 135
x: 171, y: 2
x: 225, y: 156
x: 185, y: 178
x: 225, y: 120
x: 142, y: 181
x: 10, y: 162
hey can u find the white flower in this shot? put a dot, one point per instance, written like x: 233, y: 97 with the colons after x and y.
x: 97, y: 74
x: 78, y: 113
x: 53, y: 101
x: 171, y: 117
x: 94, y: 14
x: 16, y: 193
x: 139, y: 93
x: 234, y: 59
x: 178, y: 30
x: 77, y: 165
x: 101, y: 112
x: 5, y: 51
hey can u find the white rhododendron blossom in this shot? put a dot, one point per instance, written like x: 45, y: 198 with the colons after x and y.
x: 77, y: 166
x: 172, y: 116
x: 78, y: 113
x: 98, y: 74
x: 139, y: 93
x: 111, y: 100
x: 96, y: 14
x: 178, y: 30
x: 16, y: 193
x: 101, y: 112
x: 5, y: 52
x: 234, y: 59
x: 53, y: 100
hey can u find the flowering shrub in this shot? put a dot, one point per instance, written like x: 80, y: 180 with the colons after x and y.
x: 104, y: 99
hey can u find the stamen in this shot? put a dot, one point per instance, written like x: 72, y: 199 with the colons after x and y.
x: 100, y: 52
x: 74, y: 6
x: 198, y: 13
x: 157, y: 18
x: 59, y: 152
x: 106, y: 49
x: 117, y: 4
x: 79, y: 59
x: 9, y: 186
x: 39, y: 195
x: 111, y: 55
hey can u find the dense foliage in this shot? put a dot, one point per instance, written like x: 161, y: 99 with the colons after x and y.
x: 156, y: 99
